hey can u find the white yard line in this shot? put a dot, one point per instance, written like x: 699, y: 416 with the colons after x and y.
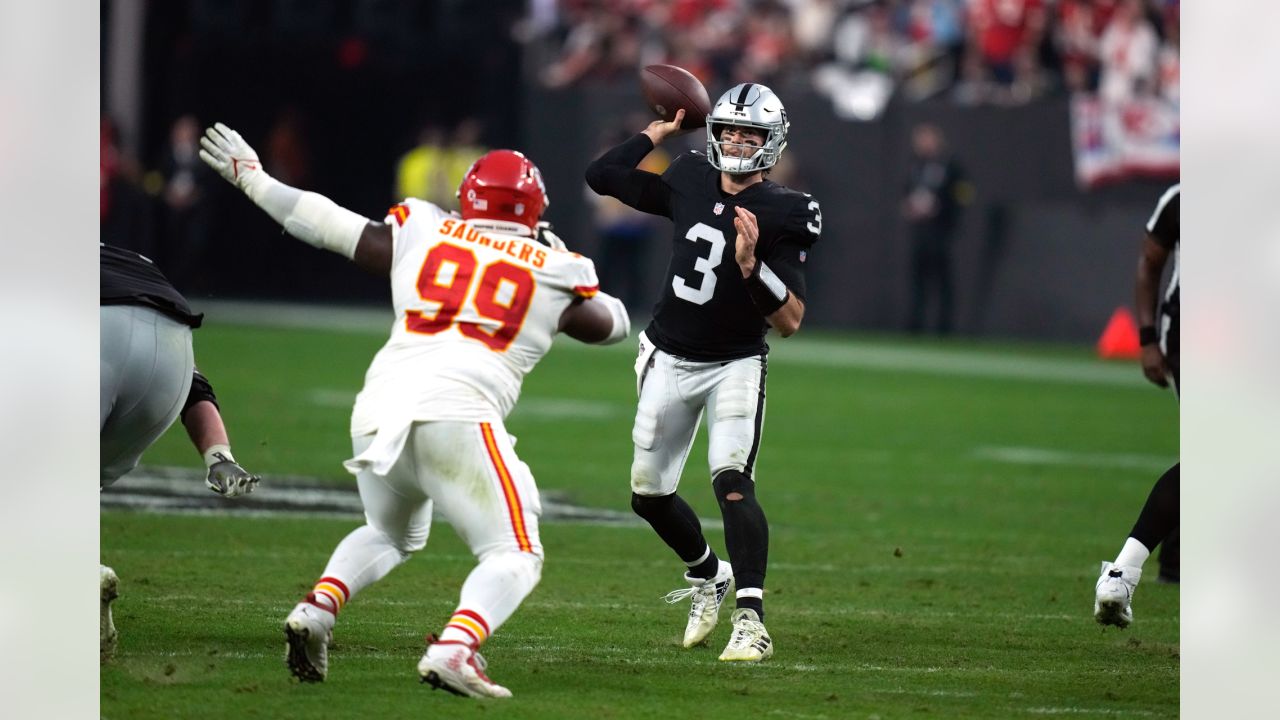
x: 814, y: 352
x: 1050, y: 456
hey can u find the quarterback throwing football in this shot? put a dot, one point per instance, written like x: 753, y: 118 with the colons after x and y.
x: 477, y: 301
x: 737, y: 268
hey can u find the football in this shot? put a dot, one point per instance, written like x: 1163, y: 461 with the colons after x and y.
x: 668, y: 88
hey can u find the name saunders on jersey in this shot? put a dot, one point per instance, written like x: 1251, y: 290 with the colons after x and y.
x: 516, y: 248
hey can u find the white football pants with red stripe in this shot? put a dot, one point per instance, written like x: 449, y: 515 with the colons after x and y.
x: 470, y: 473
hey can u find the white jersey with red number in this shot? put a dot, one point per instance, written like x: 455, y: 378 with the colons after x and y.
x: 475, y: 311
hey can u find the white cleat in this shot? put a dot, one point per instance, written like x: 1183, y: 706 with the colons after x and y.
x: 107, y: 635
x: 308, y: 631
x: 750, y: 642
x: 1113, y: 600
x: 708, y: 596
x: 457, y: 668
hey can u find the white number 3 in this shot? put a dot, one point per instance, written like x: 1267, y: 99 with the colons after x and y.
x: 815, y: 227
x: 706, y: 265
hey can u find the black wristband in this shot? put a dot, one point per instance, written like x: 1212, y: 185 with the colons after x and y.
x: 1147, y: 335
x: 767, y: 291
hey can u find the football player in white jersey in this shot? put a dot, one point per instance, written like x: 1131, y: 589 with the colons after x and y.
x: 477, y: 300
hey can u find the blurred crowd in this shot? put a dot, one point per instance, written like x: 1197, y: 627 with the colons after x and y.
x: 862, y: 52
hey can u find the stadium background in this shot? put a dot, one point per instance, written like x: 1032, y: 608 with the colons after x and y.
x: 1038, y: 254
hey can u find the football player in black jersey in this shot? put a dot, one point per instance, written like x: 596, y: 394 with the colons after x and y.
x: 148, y: 379
x: 1157, y: 524
x: 737, y: 268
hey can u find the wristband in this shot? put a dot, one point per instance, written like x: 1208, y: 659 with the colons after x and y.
x: 766, y: 289
x: 217, y: 454
x: 1147, y: 335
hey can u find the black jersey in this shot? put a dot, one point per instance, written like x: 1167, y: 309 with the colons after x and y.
x: 705, y: 312
x: 127, y: 278
x: 1164, y: 228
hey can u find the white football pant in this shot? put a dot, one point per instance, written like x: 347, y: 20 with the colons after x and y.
x: 673, y: 394
x: 470, y: 473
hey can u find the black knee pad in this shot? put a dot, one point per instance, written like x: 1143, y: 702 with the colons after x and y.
x: 733, y: 481
x: 648, y: 506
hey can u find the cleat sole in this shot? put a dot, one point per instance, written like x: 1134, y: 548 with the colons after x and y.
x: 296, y: 658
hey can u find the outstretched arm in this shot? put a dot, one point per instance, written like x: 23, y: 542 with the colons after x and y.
x: 308, y: 216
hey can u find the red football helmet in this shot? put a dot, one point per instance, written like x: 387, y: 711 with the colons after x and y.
x: 505, y: 186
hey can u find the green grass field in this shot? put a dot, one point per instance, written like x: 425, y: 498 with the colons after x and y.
x: 937, y: 516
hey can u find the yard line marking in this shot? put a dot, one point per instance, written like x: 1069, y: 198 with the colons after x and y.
x: 868, y: 612
x: 181, y: 491
x: 532, y: 407
x: 1084, y: 711
x: 816, y: 352
x: 1049, y: 456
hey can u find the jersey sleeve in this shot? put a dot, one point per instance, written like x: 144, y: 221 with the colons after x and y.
x: 1163, y: 224
x: 803, y: 225
x: 410, y: 218
x: 800, y: 231
x: 571, y: 273
x: 615, y: 174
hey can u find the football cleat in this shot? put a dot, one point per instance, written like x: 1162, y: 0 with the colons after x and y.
x: 308, y: 631
x: 107, y: 635
x: 750, y: 642
x: 1113, y: 599
x: 458, y: 668
x: 704, y: 610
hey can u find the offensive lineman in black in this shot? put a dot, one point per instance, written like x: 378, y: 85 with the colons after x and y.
x: 147, y: 380
x: 1157, y: 524
x: 737, y: 268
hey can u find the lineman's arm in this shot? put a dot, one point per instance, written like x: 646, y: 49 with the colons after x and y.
x: 203, y: 422
x: 308, y: 216
x: 600, y: 320
x: 1151, y: 264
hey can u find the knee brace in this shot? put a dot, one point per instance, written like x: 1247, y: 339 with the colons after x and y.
x: 733, y: 482
x: 650, y: 506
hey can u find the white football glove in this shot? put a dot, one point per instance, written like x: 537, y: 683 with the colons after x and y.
x: 226, y: 152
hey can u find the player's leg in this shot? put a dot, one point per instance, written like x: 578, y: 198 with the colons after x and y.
x: 1115, y: 586
x: 489, y: 497
x: 735, y: 419
x: 1170, y: 549
x: 397, y: 523
x: 666, y: 422
x: 667, y: 418
x: 146, y: 363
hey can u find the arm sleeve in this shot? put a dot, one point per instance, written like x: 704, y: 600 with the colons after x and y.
x: 201, y: 390
x: 615, y: 174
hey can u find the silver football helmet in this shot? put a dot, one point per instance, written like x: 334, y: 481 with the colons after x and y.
x: 747, y: 105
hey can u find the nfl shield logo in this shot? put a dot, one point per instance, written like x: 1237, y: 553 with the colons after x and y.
x: 719, y: 208
x: 804, y: 254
